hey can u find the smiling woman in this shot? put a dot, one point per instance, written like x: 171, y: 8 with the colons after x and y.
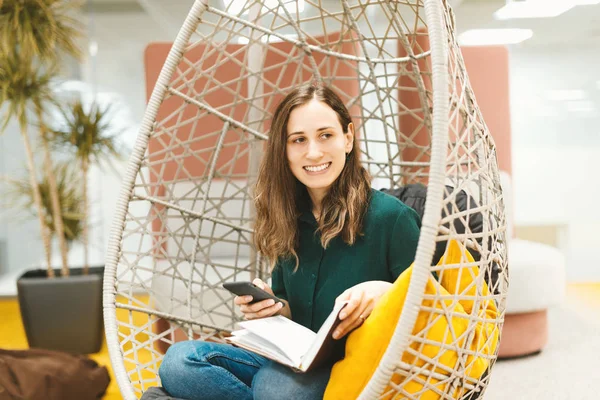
x: 317, y: 148
x: 313, y: 129
x: 329, y: 238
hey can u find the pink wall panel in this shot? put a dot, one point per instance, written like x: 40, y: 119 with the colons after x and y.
x: 488, y: 71
x: 416, y: 146
x: 228, y: 70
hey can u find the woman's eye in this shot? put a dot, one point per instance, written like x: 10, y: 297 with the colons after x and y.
x: 298, y: 140
x: 326, y: 135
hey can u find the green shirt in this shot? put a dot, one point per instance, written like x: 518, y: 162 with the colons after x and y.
x: 388, y: 247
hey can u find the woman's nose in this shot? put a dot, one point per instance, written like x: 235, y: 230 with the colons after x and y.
x: 314, y: 151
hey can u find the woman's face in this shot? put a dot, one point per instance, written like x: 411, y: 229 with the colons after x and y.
x: 317, y: 145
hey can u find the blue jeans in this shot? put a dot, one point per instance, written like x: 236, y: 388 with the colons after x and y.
x: 195, y: 370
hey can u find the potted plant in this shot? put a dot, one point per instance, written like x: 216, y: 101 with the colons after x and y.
x: 89, y: 137
x: 21, y: 86
x: 62, y: 313
x: 35, y: 35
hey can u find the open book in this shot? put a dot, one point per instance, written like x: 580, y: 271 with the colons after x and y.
x: 288, y: 342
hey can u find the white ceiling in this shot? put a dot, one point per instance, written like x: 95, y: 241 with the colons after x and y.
x: 578, y: 27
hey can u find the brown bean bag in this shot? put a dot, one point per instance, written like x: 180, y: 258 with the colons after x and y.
x: 38, y: 374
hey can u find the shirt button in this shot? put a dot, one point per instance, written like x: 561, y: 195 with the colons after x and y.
x: 310, y: 303
x: 313, y: 276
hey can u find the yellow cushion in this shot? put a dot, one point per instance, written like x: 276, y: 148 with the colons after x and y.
x: 367, y: 344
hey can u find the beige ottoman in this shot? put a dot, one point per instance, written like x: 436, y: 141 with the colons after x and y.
x: 536, y: 282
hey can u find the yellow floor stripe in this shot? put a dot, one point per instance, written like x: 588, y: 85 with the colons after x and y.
x: 585, y: 295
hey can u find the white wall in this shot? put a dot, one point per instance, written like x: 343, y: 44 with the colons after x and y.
x: 117, y: 72
x: 556, y: 147
x: 18, y: 231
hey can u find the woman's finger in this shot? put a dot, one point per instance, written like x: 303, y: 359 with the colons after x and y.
x: 362, y: 312
x: 354, y: 320
x: 262, y: 285
x: 354, y: 301
x: 256, y: 307
x: 239, y: 300
x: 265, y: 312
x: 344, y: 296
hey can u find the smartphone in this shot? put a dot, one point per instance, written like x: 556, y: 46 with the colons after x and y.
x: 250, y: 289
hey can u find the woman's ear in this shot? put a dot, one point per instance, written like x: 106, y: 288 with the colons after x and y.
x: 349, y: 138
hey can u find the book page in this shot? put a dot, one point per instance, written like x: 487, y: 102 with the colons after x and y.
x: 249, y: 341
x: 322, y: 346
x: 291, y: 338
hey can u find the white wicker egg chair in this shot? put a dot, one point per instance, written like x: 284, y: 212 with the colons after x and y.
x: 183, y: 221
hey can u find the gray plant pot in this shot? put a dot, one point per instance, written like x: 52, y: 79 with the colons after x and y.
x: 62, y: 313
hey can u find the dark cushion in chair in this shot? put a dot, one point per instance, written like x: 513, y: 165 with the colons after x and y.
x: 157, y: 393
x: 414, y: 196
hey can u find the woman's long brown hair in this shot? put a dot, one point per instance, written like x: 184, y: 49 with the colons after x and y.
x: 277, y: 190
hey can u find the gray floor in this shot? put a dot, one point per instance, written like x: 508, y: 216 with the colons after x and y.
x: 568, y: 368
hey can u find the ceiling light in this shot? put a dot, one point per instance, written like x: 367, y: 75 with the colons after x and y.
x: 267, y: 39
x: 490, y: 37
x: 289, y: 5
x: 581, y: 106
x: 534, y: 9
x: 93, y: 48
x: 234, y: 7
x: 565, y: 95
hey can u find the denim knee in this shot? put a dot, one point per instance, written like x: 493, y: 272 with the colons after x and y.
x: 276, y: 382
x: 173, y: 361
x: 205, y: 370
x: 177, y: 359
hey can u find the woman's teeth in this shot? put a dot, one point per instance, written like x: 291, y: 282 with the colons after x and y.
x: 318, y: 168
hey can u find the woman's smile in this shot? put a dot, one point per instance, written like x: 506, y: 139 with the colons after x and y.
x: 316, y: 147
x: 317, y: 169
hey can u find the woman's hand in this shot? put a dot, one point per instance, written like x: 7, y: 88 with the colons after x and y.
x: 362, y: 299
x: 261, y: 309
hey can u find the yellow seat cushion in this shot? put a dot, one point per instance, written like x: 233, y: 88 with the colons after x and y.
x: 439, y: 321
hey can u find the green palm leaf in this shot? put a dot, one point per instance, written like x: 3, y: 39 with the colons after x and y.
x: 68, y: 182
x: 86, y: 131
x: 22, y: 87
x: 45, y: 29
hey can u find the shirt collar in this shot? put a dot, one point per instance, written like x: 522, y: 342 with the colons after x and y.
x: 304, y: 208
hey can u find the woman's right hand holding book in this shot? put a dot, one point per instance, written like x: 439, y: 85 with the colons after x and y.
x: 264, y: 308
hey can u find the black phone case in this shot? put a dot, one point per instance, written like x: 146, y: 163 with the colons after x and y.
x: 248, y: 288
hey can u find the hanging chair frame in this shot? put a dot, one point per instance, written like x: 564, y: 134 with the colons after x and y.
x: 435, y: 15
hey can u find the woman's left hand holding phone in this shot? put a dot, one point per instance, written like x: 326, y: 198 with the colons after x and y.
x: 261, y: 309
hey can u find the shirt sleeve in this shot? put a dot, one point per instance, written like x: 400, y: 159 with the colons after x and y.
x: 404, y: 241
x: 277, y: 284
